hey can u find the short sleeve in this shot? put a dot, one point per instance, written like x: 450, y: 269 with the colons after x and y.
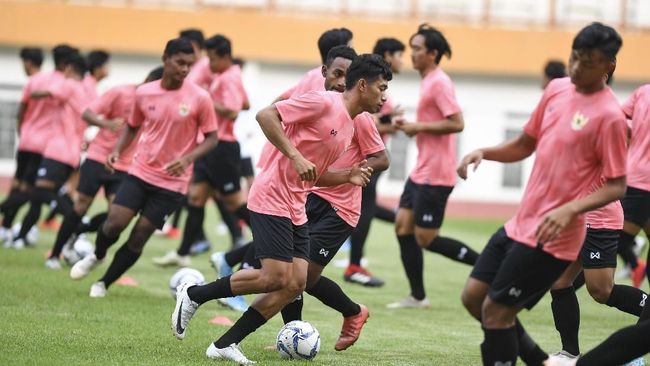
x: 305, y: 108
x: 367, y: 136
x: 533, y: 127
x: 289, y: 92
x: 207, y: 116
x: 104, y: 104
x: 137, y: 117
x: 628, y: 106
x: 445, y: 98
x: 612, y: 146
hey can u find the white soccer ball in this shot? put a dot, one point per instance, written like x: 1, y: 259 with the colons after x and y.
x: 183, y: 275
x: 81, y: 248
x: 298, y: 340
x: 32, y: 234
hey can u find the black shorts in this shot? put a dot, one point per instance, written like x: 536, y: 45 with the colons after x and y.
x: 54, y: 171
x: 518, y: 275
x: 221, y: 167
x: 427, y: 202
x: 27, y: 164
x: 327, y: 230
x: 600, y: 248
x: 276, y: 237
x: 94, y: 176
x: 153, y: 202
x: 247, y: 169
x: 636, y: 206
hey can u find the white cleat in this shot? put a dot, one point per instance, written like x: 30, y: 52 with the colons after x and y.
x: 98, y: 289
x: 565, y: 355
x: 639, y: 243
x: 19, y: 244
x: 53, y: 263
x: 232, y: 352
x: 554, y: 360
x: 6, y: 237
x: 84, y: 266
x: 636, y: 362
x: 184, y: 310
x: 410, y: 302
x: 173, y: 259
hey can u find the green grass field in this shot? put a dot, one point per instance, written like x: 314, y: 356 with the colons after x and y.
x: 51, y: 320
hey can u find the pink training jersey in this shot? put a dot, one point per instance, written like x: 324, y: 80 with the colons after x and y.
x: 436, y: 163
x: 228, y: 90
x: 346, y: 198
x: 169, y: 122
x: 580, y: 139
x: 117, y: 102
x: 200, y: 74
x: 312, y: 81
x: 319, y: 125
x: 65, y: 145
x: 90, y: 87
x: 637, y: 108
x: 609, y: 216
x: 40, y: 114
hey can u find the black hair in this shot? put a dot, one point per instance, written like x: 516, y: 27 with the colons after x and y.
x: 390, y: 45
x: 332, y: 38
x: 155, y: 74
x: 96, y: 59
x: 598, y: 36
x: 178, y: 45
x: 345, y: 52
x: 78, y: 63
x: 61, y: 52
x: 194, y: 35
x: 434, y: 40
x: 220, y: 44
x: 32, y: 54
x: 239, y: 61
x: 368, y: 67
x: 555, y: 69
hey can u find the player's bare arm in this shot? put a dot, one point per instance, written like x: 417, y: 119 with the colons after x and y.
x: 452, y: 124
x: 510, y: 151
x: 178, y: 166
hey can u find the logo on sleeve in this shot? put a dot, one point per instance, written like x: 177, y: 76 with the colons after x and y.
x: 579, y: 121
x: 334, y: 132
x: 184, y: 109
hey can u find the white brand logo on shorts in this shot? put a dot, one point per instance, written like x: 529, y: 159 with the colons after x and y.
x: 594, y: 255
x: 427, y: 218
x: 643, y: 299
x: 229, y: 186
x: 514, y: 292
x: 41, y: 172
x: 324, y: 252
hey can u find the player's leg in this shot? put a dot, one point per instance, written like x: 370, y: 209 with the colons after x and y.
x: 636, y: 214
x: 232, y: 223
x: 566, y: 310
x: 25, y: 177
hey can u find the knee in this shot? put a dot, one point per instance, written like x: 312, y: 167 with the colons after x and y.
x: 497, y: 316
x: 296, y: 287
x: 112, y: 227
x: 273, y: 281
x: 81, y: 206
x: 424, y: 239
x: 600, y: 293
x: 472, y: 303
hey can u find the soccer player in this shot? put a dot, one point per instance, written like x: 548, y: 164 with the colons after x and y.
x: 35, y: 118
x: 391, y: 50
x: 578, y: 133
x: 98, y: 69
x: 200, y: 73
x: 32, y: 59
x: 319, y: 127
x: 169, y: 115
x: 63, y: 150
x: 553, y: 69
x: 109, y: 112
x: 422, y: 205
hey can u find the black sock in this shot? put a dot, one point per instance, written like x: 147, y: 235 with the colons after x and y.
x: 70, y: 223
x: 331, y: 294
x: 566, y: 314
x: 499, y: 347
x: 453, y: 249
x: 627, y: 299
x: 623, y: 346
x: 243, y: 213
x: 245, y: 325
x: 16, y: 200
x: 625, y: 249
x: 102, y: 243
x: 645, y: 314
x: 293, y: 310
x: 237, y: 255
x: 123, y: 260
x: 413, y: 263
x: 94, y: 224
x: 211, y: 291
x: 177, y: 216
x: 385, y: 214
x: 249, y: 260
x: 579, y: 281
x: 193, y: 224
x: 231, y: 221
x: 529, y: 351
x: 360, y: 233
x: 40, y: 196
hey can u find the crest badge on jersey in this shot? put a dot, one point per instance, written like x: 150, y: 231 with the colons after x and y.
x: 184, y: 109
x: 579, y: 121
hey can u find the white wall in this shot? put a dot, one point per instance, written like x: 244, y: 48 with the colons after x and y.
x: 490, y: 105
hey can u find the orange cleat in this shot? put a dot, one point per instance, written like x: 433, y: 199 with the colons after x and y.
x: 52, y: 225
x: 638, y: 274
x: 173, y: 233
x: 351, y: 329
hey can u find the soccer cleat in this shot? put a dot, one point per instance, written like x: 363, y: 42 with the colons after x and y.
x: 624, y: 272
x: 410, y: 302
x: 564, y: 355
x: 52, y: 225
x: 218, y: 262
x: 98, y: 289
x: 554, y: 360
x: 636, y: 362
x: 358, y: 274
x: 232, y: 352
x: 200, y: 246
x: 53, y: 263
x: 236, y: 303
x: 173, y: 259
x: 638, y: 274
x: 173, y: 233
x: 84, y: 266
x: 19, y: 244
x: 184, y: 310
x: 351, y: 329
x: 639, y: 243
x: 6, y: 237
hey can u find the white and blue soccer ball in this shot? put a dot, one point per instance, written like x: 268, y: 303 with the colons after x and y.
x: 184, y: 275
x: 298, y: 340
x: 78, y: 250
